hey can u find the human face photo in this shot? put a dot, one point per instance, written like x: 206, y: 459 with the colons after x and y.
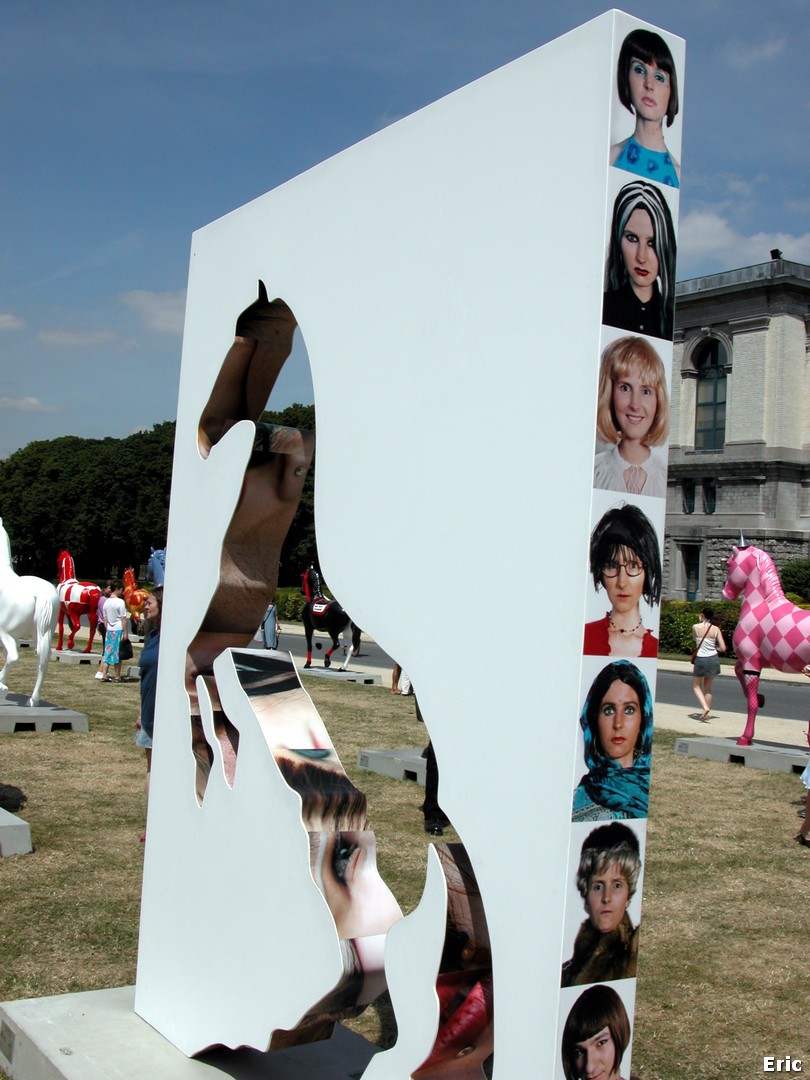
x: 638, y: 252
x: 619, y: 723
x: 625, y: 589
x: 635, y: 404
x: 151, y: 608
x: 595, y: 1058
x: 649, y: 90
x: 607, y: 898
x: 361, y: 903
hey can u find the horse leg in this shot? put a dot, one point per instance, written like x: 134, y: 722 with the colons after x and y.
x: 92, y: 616
x: 351, y: 649
x: 44, y: 618
x: 749, y: 680
x: 345, y: 665
x: 12, y: 656
x: 308, y: 634
x: 75, y: 623
x: 327, y: 656
x: 61, y: 628
x: 334, y: 633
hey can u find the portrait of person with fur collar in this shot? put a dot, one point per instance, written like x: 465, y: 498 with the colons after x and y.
x: 606, y: 945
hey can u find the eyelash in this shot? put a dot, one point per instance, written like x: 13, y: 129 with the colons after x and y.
x: 341, y: 857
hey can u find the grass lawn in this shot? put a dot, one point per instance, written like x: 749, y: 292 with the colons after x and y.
x: 721, y: 978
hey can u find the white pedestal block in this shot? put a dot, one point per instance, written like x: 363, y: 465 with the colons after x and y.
x: 97, y: 1036
x: 15, y: 835
x: 15, y: 715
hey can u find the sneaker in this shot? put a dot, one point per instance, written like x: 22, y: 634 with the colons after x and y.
x: 99, y: 676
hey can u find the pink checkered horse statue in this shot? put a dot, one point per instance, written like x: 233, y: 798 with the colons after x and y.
x: 771, y: 632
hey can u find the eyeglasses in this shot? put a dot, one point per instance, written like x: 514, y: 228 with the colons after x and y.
x: 632, y: 568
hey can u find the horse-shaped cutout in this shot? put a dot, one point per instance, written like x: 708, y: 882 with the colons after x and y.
x: 772, y: 632
x: 321, y: 613
x: 28, y: 608
x: 134, y: 597
x: 76, y: 598
x: 156, y: 567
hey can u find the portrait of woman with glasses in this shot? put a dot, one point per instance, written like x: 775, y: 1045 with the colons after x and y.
x: 625, y: 561
x: 617, y: 726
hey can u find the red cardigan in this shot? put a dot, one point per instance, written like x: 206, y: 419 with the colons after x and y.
x: 597, y: 641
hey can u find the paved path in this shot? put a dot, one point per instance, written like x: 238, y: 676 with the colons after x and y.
x: 730, y: 724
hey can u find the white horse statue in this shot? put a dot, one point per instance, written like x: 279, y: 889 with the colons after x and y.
x: 29, y: 607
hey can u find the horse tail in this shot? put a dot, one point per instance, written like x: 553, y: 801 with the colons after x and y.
x: 46, y: 611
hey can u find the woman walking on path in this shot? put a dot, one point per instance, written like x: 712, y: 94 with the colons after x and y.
x: 709, y: 642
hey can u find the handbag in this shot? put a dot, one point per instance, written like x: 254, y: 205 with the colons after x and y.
x: 125, y: 649
x: 694, y: 654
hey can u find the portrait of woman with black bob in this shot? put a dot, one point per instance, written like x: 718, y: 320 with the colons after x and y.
x: 640, y: 270
x: 595, y: 1036
x: 617, y: 726
x: 606, y: 945
x: 625, y: 561
x: 648, y: 88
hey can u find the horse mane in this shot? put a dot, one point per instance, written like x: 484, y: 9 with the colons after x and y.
x: 69, y: 565
x: 769, y: 574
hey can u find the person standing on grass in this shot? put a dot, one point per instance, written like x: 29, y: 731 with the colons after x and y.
x: 115, y: 621
x: 152, y: 609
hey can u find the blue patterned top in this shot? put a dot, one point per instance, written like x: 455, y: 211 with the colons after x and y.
x: 652, y: 164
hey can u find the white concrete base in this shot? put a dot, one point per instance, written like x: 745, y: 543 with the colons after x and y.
x: 97, y: 1036
x: 15, y: 715
x: 404, y: 764
x: 66, y: 656
x: 334, y: 673
x: 15, y: 835
x: 776, y: 757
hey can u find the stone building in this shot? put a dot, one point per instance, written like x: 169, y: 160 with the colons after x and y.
x: 740, y: 432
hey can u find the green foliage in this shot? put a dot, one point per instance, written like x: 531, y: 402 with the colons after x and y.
x: 300, y: 548
x: 289, y: 604
x: 679, y: 616
x: 105, y: 500
x: 795, y: 578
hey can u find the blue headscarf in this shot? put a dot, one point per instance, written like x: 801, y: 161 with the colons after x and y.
x: 623, y: 791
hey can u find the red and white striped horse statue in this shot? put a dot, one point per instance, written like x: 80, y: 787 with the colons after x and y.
x: 76, y: 598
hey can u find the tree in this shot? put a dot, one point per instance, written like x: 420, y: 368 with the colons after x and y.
x: 795, y: 577
x: 105, y: 500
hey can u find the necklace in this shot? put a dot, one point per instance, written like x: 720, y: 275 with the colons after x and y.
x: 619, y: 628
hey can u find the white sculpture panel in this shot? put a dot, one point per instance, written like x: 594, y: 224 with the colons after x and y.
x: 447, y: 277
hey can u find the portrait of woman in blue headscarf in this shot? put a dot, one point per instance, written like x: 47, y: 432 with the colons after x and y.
x: 617, y: 724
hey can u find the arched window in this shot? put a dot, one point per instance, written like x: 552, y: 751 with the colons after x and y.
x: 710, y: 404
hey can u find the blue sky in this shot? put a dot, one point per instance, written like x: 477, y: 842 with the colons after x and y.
x: 128, y: 126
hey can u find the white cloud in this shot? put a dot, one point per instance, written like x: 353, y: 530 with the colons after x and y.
x: 163, y: 312
x: 743, y: 56
x: 709, y: 244
x: 73, y: 339
x: 10, y: 322
x: 26, y: 404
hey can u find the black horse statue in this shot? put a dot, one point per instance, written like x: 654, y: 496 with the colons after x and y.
x: 321, y: 613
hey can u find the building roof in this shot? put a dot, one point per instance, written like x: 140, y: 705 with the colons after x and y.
x: 776, y: 271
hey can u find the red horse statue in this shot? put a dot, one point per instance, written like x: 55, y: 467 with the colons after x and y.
x: 771, y: 632
x: 76, y: 598
x: 134, y: 597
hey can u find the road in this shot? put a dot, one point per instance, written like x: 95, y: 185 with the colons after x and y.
x: 788, y: 701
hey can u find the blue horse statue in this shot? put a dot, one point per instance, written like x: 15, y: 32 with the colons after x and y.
x: 156, y: 567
